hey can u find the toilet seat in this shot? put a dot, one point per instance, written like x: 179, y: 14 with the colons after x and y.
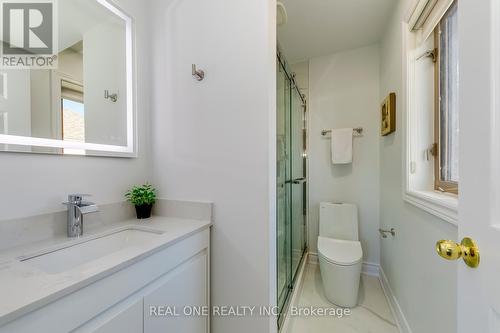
x: 340, y: 252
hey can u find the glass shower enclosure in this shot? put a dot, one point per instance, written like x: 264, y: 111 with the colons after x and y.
x: 291, y: 184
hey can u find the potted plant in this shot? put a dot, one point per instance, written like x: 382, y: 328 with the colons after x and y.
x: 143, y: 198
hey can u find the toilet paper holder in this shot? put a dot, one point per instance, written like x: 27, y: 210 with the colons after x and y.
x: 385, y: 232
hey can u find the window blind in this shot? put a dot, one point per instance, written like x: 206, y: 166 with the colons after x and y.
x: 72, y: 91
x: 424, y: 16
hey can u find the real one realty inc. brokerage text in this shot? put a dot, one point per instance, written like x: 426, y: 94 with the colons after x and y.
x: 243, y: 311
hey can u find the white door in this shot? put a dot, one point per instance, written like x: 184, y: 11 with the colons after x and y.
x: 479, y: 209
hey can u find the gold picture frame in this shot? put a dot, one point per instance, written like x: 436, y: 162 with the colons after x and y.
x: 388, y: 115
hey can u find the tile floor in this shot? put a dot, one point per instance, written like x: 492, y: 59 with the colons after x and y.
x: 372, y: 315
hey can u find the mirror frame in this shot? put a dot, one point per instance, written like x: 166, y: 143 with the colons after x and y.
x: 94, y: 149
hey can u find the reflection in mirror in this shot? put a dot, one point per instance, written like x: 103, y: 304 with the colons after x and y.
x: 85, y: 99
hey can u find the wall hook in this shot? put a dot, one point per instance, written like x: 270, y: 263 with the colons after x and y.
x: 112, y: 97
x: 198, y: 74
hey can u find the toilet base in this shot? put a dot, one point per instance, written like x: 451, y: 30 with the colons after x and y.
x: 341, y: 283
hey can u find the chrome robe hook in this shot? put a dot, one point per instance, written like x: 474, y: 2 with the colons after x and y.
x: 198, y: 74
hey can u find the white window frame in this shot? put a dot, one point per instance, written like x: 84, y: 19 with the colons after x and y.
x: 441, y: 205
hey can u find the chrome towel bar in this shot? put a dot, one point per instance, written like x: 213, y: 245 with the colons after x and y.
x: 356, y: 131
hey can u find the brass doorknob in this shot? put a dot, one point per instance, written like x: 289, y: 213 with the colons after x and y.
x: 467, y: 250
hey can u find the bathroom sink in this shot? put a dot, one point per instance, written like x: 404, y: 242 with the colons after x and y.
x: 71, y: 255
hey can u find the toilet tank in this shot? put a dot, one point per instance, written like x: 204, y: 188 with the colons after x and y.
x: 339, y: 221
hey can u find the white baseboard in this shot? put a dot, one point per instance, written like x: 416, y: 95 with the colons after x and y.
x: 312, y: 258
x: 397, y: 312
x: 369, y: 268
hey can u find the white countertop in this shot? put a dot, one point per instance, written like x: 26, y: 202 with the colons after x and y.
x: 23, y: 288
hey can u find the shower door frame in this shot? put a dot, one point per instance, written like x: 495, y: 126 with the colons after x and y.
x: 292, y: 279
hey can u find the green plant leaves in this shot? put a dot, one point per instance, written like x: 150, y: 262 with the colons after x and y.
x: 141, y: 195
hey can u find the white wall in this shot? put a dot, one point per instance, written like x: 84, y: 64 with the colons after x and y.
x: 215, y: 140
x: 423, y: 283
x: 344, y: 92
x: 34, y: 184
x: 17, y: 105
x: 41, y: 103
x: 104, y: 68
x: 71, y: 63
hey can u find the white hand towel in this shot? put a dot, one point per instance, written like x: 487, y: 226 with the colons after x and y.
x: 342, y: 146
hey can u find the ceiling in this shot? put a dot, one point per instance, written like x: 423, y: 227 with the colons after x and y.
x: 322, y: 27
x: 76, y: 17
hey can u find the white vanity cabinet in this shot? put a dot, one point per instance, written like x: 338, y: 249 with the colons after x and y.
x: 124, y: 318
x: 186, y: 290
x: 175, y: 277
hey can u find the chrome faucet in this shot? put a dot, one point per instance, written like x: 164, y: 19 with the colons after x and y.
x: 77, y: 208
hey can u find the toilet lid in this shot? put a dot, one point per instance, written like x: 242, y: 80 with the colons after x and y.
x: 340, y: 252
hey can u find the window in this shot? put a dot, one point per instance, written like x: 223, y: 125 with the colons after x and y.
x: 446, y: 117
x: 73, y: 114
x: 431, y: 123
x: 73, y: 120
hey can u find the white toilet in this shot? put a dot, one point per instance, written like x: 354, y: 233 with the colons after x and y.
x: 340, y: 253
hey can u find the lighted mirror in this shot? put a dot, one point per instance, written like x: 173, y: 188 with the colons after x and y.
x: 84, y: 105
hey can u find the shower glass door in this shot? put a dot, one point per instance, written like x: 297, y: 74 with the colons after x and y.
x: 290, y: 185
x: 298, y: 180
x: 283, y: 187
